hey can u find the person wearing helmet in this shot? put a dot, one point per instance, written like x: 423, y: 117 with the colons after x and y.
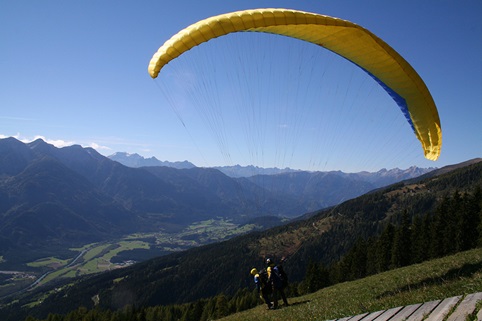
x: 278, y: 281
x: 262, y: 285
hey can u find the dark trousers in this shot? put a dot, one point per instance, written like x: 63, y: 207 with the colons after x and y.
x: 276, y: 294
x: 265, y: 294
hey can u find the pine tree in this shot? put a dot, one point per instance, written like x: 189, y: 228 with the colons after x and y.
x: 192, y: 311
x: 418, y: 240
x: 208, y: 310
x: 358, y: 260
x: 371, y: 256
x: 154, y: 313
x: 452, y: 220
x: 222, y: 308
x: 401, y: 243
x: 478, y: 208
x: 438, y: 230
x: 469, y: 221
x: 311, y: 280
x: 384, y: 248
x: 55, y: 317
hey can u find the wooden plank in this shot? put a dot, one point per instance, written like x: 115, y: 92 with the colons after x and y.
x: 423, y: 311
x: 385, y: 316
x: 466, y: 307
x: 443, y: 308
x: 433, y: 310
x: 359, y: 317
x: 372, y: 316
x: 407, y: 311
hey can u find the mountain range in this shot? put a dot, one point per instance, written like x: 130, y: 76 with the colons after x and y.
x: 312, y: 189
x: 55, y: 198
x: 381, y: 178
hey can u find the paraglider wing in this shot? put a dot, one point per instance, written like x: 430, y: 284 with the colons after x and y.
x: 342, y: 37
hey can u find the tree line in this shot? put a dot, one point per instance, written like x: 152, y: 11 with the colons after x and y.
x: 200, y: 310
x: 454, y: 226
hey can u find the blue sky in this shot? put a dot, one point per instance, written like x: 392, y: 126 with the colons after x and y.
x: 75, y: 72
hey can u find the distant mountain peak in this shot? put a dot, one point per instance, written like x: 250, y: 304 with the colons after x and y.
x: 125, y: 154
x: 135, y: 160
x: 39, y: 142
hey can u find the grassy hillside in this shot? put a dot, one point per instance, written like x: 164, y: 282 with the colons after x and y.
x: 437, y: 279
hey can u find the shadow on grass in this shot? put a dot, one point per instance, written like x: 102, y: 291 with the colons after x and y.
x: 467, y: 270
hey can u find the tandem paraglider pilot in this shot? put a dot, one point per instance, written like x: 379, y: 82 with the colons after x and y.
x: 262, y: 285
x: 278, y: 281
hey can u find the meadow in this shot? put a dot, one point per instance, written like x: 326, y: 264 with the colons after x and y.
x: 459, y: 274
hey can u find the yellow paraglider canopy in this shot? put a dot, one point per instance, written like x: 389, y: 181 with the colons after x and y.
x: 345, y: 38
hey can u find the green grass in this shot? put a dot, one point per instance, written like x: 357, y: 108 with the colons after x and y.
x: 459, y: 274
x: 95, y: 251
x: 96, y: 259
x: 54, y: 275
x: 80, y: 249
x: 48, y: 262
